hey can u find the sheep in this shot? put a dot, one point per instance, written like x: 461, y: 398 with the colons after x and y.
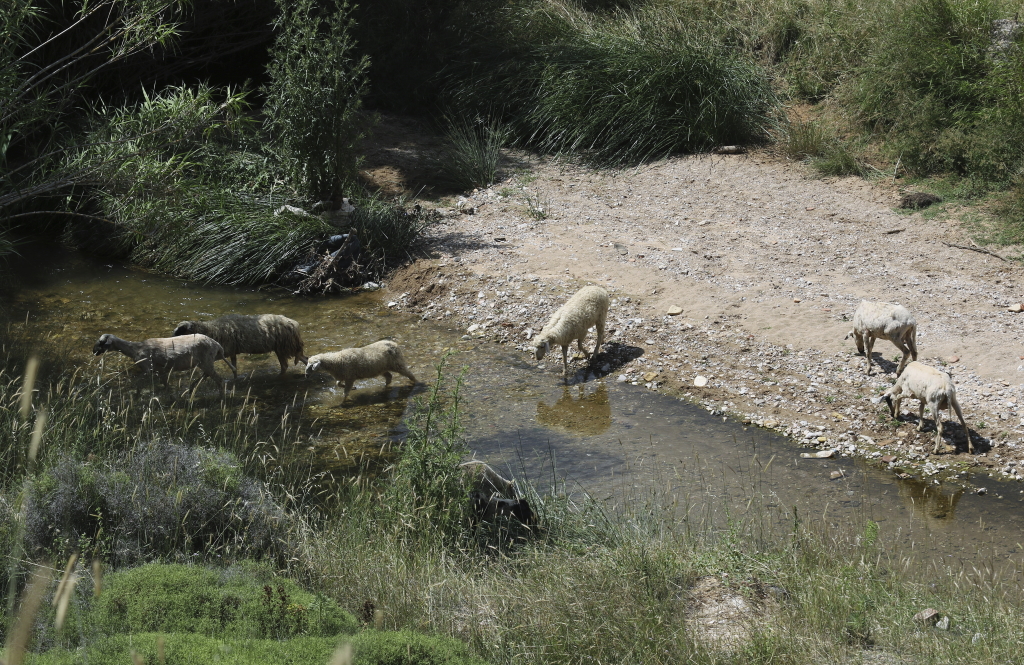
x: 882, y: 320
x: 587, y: 308
x: 927, y: 384
x: 493, y: 495
x: 164, y: 355
x: 349, y: 365
x: 244, y: 333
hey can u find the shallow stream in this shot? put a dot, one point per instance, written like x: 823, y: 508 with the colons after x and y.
x: 619, y: 442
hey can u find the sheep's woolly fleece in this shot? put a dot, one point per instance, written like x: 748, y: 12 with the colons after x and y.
x: 767, y: 264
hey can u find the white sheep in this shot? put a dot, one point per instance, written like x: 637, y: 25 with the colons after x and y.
x: 164, y: 355
x: 927, y: 384
x: 256, y: 333
x: 349, y: 365
x: 589, y: 307
x: 882, y: 320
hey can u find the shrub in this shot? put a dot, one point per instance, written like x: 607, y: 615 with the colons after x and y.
x: 243, y: 601
x: 615, y: 88
x: 369, y: 648
x: 314, y: 94
x: 946, y: 103
x: 472, y: 152
x: 388, y: 229
x: 160, y: 500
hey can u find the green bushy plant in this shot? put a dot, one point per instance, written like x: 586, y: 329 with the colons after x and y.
x: 159, y: 500
x: 242, y: 601
x: 317, y: 82
x: 472, y: 152
x: 619, y: 87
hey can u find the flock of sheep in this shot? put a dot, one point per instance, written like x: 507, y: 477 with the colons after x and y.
x: 199, y: 344
x: 871, y: 321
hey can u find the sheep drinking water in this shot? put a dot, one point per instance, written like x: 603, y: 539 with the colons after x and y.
x: 164, y: 355
x: 882, y: 320
x: 927, y: 384
x: 589, y: 307
x: 244, y: 333
x: 349, y: 365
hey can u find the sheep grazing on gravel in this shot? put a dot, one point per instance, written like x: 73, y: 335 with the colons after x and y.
x: 244, y: 333
x: 882, y: 320
x: 927, y: 384
x: 589, y: 307
x: 164, y: 355
x: 349, y: 365
x: 494, y: 495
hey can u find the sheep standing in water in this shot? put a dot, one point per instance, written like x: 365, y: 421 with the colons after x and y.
x: 589, y: 307
x: 349, y: 365
x: 882, y: 320
x: 245, y: 333
x: 164, y: 355
x: 929, y: 385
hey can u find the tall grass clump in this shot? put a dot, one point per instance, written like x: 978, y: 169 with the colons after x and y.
x: 389, y: 230
x: 317, y: 82
x: 942, y: 98
x: 472, y: 152
x: 614, y: 88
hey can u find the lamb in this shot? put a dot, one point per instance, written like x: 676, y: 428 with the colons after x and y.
x: 882, y: 320
x: 927, y: 384
x: 243, y: 333
x: 493, y: 495
x: 349, y: 365
x: 587, y: 308
x: 164, y: 355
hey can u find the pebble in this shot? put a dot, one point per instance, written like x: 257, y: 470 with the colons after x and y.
x: 1015, y: 308
x: 674, y: 310
x: 622, y: 378
x: 836, y: 474
x: 700, y: 381
x: 952, y: 359
x: 928, y: 616
x: 821, y: 454
x: 650, y: 376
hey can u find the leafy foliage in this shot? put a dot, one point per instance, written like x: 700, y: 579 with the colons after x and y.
x: 316, y: 87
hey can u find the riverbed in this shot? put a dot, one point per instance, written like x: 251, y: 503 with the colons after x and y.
x: 626, y: 446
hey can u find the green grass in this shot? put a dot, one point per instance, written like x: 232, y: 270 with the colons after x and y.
x: 472, y: 153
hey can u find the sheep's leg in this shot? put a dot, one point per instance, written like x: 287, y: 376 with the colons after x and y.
x: 283, y: 359
x: 565, y: 360
x: 906, y: 355
x: 600, y: 334
x: 912, y: 342
x: 859, y: 338
x: 920, y: 417
x: 387, y: 379
x: 933, y: 405
x: 407, y: 374
x: 869, y: 344
x: 960, y: 414
x: 234, y: 365
x: 212, y: 373
x: 348, y: 389
x: 579, y: 345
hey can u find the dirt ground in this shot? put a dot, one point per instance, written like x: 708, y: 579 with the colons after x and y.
x: 767, y: 263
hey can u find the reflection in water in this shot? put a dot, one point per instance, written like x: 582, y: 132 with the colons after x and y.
x: 935, y: 503
x: 584, y: 414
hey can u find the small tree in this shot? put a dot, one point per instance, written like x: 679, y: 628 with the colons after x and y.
x: 315, y: 92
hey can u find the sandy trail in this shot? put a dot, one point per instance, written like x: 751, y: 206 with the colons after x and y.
x: 768, y: 264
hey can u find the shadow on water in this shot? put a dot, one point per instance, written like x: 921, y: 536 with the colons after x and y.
x: 610, y: 439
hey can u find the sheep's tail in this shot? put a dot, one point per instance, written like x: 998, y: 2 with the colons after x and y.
x: 291, y: 344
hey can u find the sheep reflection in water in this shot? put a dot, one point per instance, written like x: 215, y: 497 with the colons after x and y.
x: 936, y: 503
x: 582, y: 413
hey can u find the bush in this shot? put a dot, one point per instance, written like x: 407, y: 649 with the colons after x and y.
x: 946, y: 103
x: 616, y: 88
x: 243, y: 601
x: 472, y: 152
x: 314, y: 95
x: 389, y: 230
x: 160, y: 500
x: 368, y: 648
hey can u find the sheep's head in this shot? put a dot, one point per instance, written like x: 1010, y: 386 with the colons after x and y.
x: 104, y: 344
x: 543, y: 346
x: 312, y: 364
x: 185, y: 328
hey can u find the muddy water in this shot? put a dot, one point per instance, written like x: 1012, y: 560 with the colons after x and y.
x: 618, y: 442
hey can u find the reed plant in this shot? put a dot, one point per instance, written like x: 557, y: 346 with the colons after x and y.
x: 472, y: 152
